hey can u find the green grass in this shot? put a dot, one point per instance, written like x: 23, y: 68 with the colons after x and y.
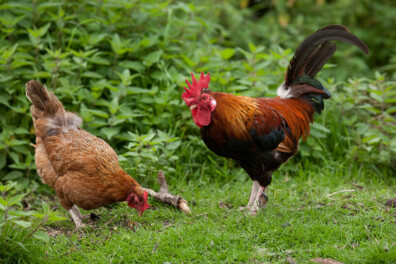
x: 301, y: 221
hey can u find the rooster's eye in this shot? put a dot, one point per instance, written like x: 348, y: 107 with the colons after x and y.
x: 204, y: 97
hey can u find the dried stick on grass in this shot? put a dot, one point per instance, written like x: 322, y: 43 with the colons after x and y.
x: 164, y: 196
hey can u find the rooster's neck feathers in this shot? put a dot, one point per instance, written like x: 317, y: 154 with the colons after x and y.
x: 233, y: 114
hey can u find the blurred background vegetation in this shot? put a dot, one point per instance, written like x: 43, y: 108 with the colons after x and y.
x: 121, y: 65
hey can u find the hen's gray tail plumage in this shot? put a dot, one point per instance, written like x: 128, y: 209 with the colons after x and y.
x: 46, y: 105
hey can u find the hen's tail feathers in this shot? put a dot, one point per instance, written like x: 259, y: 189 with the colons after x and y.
x: 46, y: 105
x: 44, y: 102
x: 309, y: 59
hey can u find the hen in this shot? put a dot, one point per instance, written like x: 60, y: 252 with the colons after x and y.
x: 263, y: 133
x: 81, y: 168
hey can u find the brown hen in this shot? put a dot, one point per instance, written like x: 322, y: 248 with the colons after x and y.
x: 81, y: 168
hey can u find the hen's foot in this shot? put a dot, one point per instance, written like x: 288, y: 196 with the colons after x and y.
x: 91, y: 216
x: 77, y: 217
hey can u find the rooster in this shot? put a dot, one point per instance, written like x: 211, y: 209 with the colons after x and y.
x: 81, y: 168
x: 263, y: 133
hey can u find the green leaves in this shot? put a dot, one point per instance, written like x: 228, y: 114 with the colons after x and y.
x: 35, y: 34
x: 227, y: 53
x: 119, y: 46
x: 359, y: 125
x: 41, y: 235
x: 22, y: 223
x: 152, y: 58
x: 110, y: 132
x: 13, y: 175
x: 152, y: 150
x: 21, y: 228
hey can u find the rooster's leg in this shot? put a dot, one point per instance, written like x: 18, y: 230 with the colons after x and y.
x: 263, y: 198
x: 260, y: 200
x: 76, y: 216
x: 255, y: 206
x: 253, y: 194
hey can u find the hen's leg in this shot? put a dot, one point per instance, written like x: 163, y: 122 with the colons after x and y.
x: 76, y: 216
x: 77, y: 211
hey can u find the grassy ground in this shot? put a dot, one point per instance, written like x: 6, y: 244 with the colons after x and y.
x: 305, y: 218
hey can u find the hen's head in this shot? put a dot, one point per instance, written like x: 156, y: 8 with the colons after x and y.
x: 200, y: 100
x: 139, y: 202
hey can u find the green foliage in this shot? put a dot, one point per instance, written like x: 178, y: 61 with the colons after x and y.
x: 151, y: 152
x: 121, y: 66
x: 19, y: 229
x: 372, y: 21
x: 359, y: 125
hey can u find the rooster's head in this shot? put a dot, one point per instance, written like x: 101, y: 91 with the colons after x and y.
x: 200, y: 100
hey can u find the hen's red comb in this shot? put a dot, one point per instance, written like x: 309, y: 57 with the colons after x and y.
x: 196, y: 87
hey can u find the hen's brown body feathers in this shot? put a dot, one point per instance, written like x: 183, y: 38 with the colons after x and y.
x: 85, y: 170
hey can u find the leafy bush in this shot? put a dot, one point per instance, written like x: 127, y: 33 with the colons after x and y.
x: 359, y: 125
x: 372, y: 21
x: 19, y: 229
x: 121, y: 65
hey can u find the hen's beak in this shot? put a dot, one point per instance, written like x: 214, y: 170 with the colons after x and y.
x: 192, y: 107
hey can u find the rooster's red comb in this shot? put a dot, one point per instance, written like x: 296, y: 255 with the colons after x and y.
x: 196, y: 87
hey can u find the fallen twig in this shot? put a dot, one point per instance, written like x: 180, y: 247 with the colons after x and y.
x: 379, y: 204
x: 67, y: 253
x: 331, y: 194
x: 171, y: 224
x: 155, y: 248
x: 163, y: 195
x: 357, y: 186
x: 111, y: 220
x: 199, y: 215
